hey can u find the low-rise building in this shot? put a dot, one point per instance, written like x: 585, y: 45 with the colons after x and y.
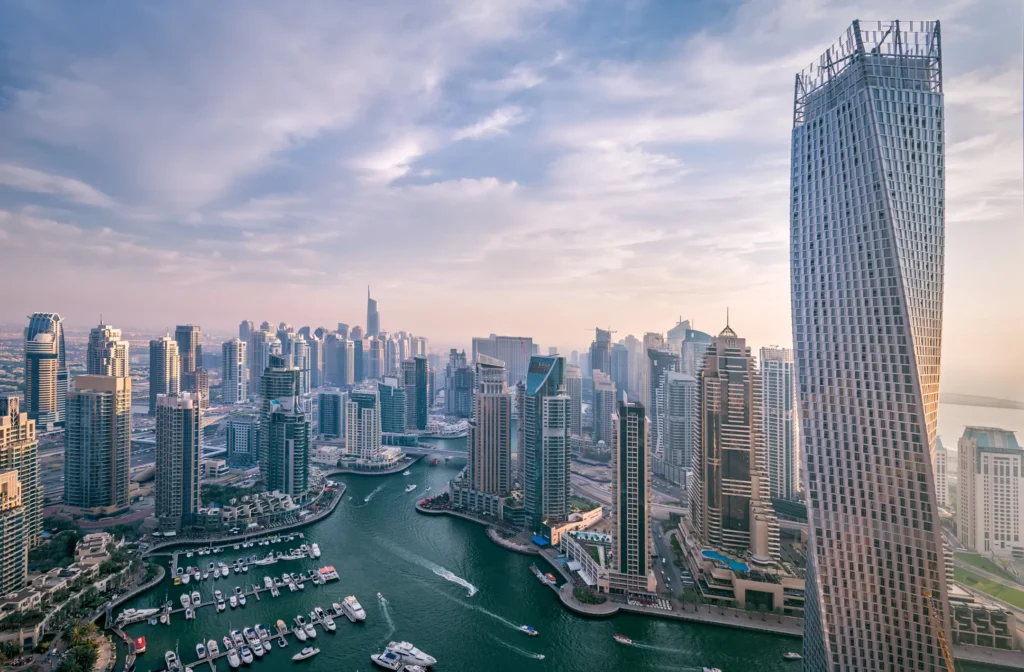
x: 979, y: 622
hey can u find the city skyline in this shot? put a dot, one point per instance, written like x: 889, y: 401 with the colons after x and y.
x: 492, y: 88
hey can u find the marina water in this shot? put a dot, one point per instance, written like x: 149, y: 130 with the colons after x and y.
x: 426, y: 567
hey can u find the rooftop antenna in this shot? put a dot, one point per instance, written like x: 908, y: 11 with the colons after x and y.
x: 727, y: 317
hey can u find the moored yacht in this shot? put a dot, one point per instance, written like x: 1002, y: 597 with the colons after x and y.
x: 213, y: 648
x: 352, y: 609
x: 307, y: 652
x: 171, y: 660
x: 233, y: 659
x: 237, y: 638
x: 310, y: 630
x: 315, y: 548
x: 329, y: 623
x: 196, y: 598
x: 200, y: 650
x: 410, y: 655
x: 246, y: 655
x: 185, y: 600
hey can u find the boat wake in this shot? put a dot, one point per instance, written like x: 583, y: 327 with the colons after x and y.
x: 500, y: 619
x: 444, y: 573
x: 371, y: 495
x: 521, y: 652
x: 387, y: 617
x: 662, y: 649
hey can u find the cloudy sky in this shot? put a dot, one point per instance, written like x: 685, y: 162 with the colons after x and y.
x: 516, y: 166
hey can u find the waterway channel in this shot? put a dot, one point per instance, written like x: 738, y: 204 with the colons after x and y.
x: 449, y: 590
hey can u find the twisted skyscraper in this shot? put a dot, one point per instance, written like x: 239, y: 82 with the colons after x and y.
x: 867, y: 265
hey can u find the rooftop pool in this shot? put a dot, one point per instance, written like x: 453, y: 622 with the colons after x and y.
x: 734, y: 565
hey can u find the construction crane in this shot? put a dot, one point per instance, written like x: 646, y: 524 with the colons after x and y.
x: 940, y: 632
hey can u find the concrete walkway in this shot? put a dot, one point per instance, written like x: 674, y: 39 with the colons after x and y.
x: 397, y: 469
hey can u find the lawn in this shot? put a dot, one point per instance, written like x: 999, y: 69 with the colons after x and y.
x: 1009, y: 595
x: 985, y: 564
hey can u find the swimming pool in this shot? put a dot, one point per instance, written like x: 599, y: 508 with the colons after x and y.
x: 734, y: 565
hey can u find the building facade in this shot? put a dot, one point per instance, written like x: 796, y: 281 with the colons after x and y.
x: 574, y: 388
x: 372, y: 316
x: 19, y: 451
x: 730, y: 503
x: 515, y: 351
x: 780, y: 430
x: 179, y: 452
x: 46, y: 371
x: 106, y: 353
x: 546, y: 443
x: 691, y: 351
x: 603, y: 408
x: 631, y: 499
x: 490, y: 432
x: 164, y: 370
x: 415, y: 374
x: 680, y: 406
x: 362, y: 424
x: 601, y: 351
x: 331, y: 413
x: 939, y: 465
x: 866, y: 251
x: 13, y: 536
x: 990, y: 498
x: 392, y: 406
x: 243, y: 440
x: 458, y: 386
x: 660, y: 362
x: 97, y: 445
x: 285, y: 431
x: 235, y: 381
x: 190, y: 349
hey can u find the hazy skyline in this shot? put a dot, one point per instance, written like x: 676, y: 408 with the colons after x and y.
x: 535, y: 168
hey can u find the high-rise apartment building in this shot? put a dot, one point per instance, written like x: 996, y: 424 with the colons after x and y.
x: 330, y: 411
x: 97, y: 445
x: 19, y: 451
x: 618, y: 367
x: 164, y: 370
x: 458, y: 386
x: 546, y: 439
x: 601, y: 351
x: 372, y: 316
x: 46, y: 370
x: 490, y: 432
x: 106, y: 353
x: 692, y: 351
x: 652, y: 341
x: 245, y: 330
x: 520, y: 402
x: 285, y: 430
x: 780, y: 431
x: 259, y: 357
x: 574, y: 388
x: 301, y: 361
x: 730, y: 503
x: 362, y: 424
x: 515, y: 351
x: 680, y: 406
x: 631, y: 499
x: 660, y: 362
x: 675, y: 336
x: 941, y: 484
x: 990, y: 495
x: 243, y: 440
x: 637, y: 360
x: 603, y: 408
x: 316, y: 361
x: 866, y: 250
x: 415, y: 373
x: 13, y: 537
x: 179, y: 452
x: 392, y: 406
x: 235, y: 381
x: 190, y: 349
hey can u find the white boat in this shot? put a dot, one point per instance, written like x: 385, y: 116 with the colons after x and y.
x: 316, y: 550
x: 164, y: 619
x: 196, y: 598
x: 189, y: 614
x: 200, y: 650
x: 410, y: 487
x: 300, y: 634
x: 329, y: 623
x: 268, y: 582
x: 310, y: 630
x: 388, y: 660
x: 237, y: 638
x: 529, y: 630
x: 250, y: 636
x: 352, y: 609
x: 233, y: 601
x: 710, y: 669
x: 228, y: 644
x: 206, y: 575
x: 791, y: 655
x: 185, y: 578
x: 410, y: 655
x: 246, y: 655
x: 185, y: 600
x: 318, y: 613
x: 419, y: 668
x: 307, y: 652
x: 188, y: 554
x: 171, y: 660
x: 257, y: 648
x: 213, y: 648
x: 129, y: 614
x: 406, y: 472
x: 235, y: 547
x: 233, y: 659
x: 224, y: 571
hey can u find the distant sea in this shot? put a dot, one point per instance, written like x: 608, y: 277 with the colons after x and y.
x: 954, y: 417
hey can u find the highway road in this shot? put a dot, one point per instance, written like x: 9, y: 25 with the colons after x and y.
x: 663, y: 547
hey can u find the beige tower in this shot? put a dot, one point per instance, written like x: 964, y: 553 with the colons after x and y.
x: 107, y: 353
x: 490, y: 432
x: 19, y: 451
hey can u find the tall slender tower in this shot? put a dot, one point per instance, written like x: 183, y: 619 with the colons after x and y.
x: 631, y: 497
x: 372, y: 316
x: 415, y: 373
x: 490, y: 432
x: 179, y: 450
x: 19, y: 451
x: 574, y: 388
x: 164, y: 370
x: 363, y: 424
x: 866, y: 245
x: 235, y: 384
x: 603, y: 408
x: 46, y: 370
x: 97, y: 444
x: 107, y: 353
x: 285, y: 430
x: 190, y: 349
x: 546, y: 438
x: 13, y: 542
x: 778, y: 417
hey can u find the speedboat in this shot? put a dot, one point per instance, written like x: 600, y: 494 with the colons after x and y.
x: 212, y: 647
x: 217, y: 595
x: 281, y: 627
x: 791, y: 655
x: 206, y: 575
x: 233, y: 659
x: 406, y: 472
x: 329, y: 623
x: 410, y: 487
x: 246, y: 655
x: 188, y: 554
x: 220, y: 604
x: 171, y: 659
x: 622, y: 639
x: 307, y: 652
x: 228, y: 644
x: 212, y: 569
x: 410, y: 655
x: 224, y: 571
x: 196, y: 598
x: 711, y: 669
x: 387, y: 660
x: 185, y: 600
x: 310, y: 630
x: 350, y: 607
x: 318, y: 613
x: 163, y: 619
x: 185, y: 578
x: 379, y: 596
x: 237, y: 638
x: 189, y: 614
x: 281, y: 643
x: 250, y: 636
x: 233, y: 601
x: 235, y: 547
x: 529, y: 630
x: 268, y: 582
x: 300, y: 634
x: 200, y: 650
x: 241, y: 600
x: 257, y: 648
x: 316, y: 550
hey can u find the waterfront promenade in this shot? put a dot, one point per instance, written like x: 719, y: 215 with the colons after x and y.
x: 397, y: 469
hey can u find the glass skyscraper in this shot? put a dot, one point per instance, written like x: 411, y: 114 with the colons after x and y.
x: 867, y: 272
x: 545, y: 447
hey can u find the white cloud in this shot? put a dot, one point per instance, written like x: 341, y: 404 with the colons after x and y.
x: 27, y: 179
x: 496, y: 123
